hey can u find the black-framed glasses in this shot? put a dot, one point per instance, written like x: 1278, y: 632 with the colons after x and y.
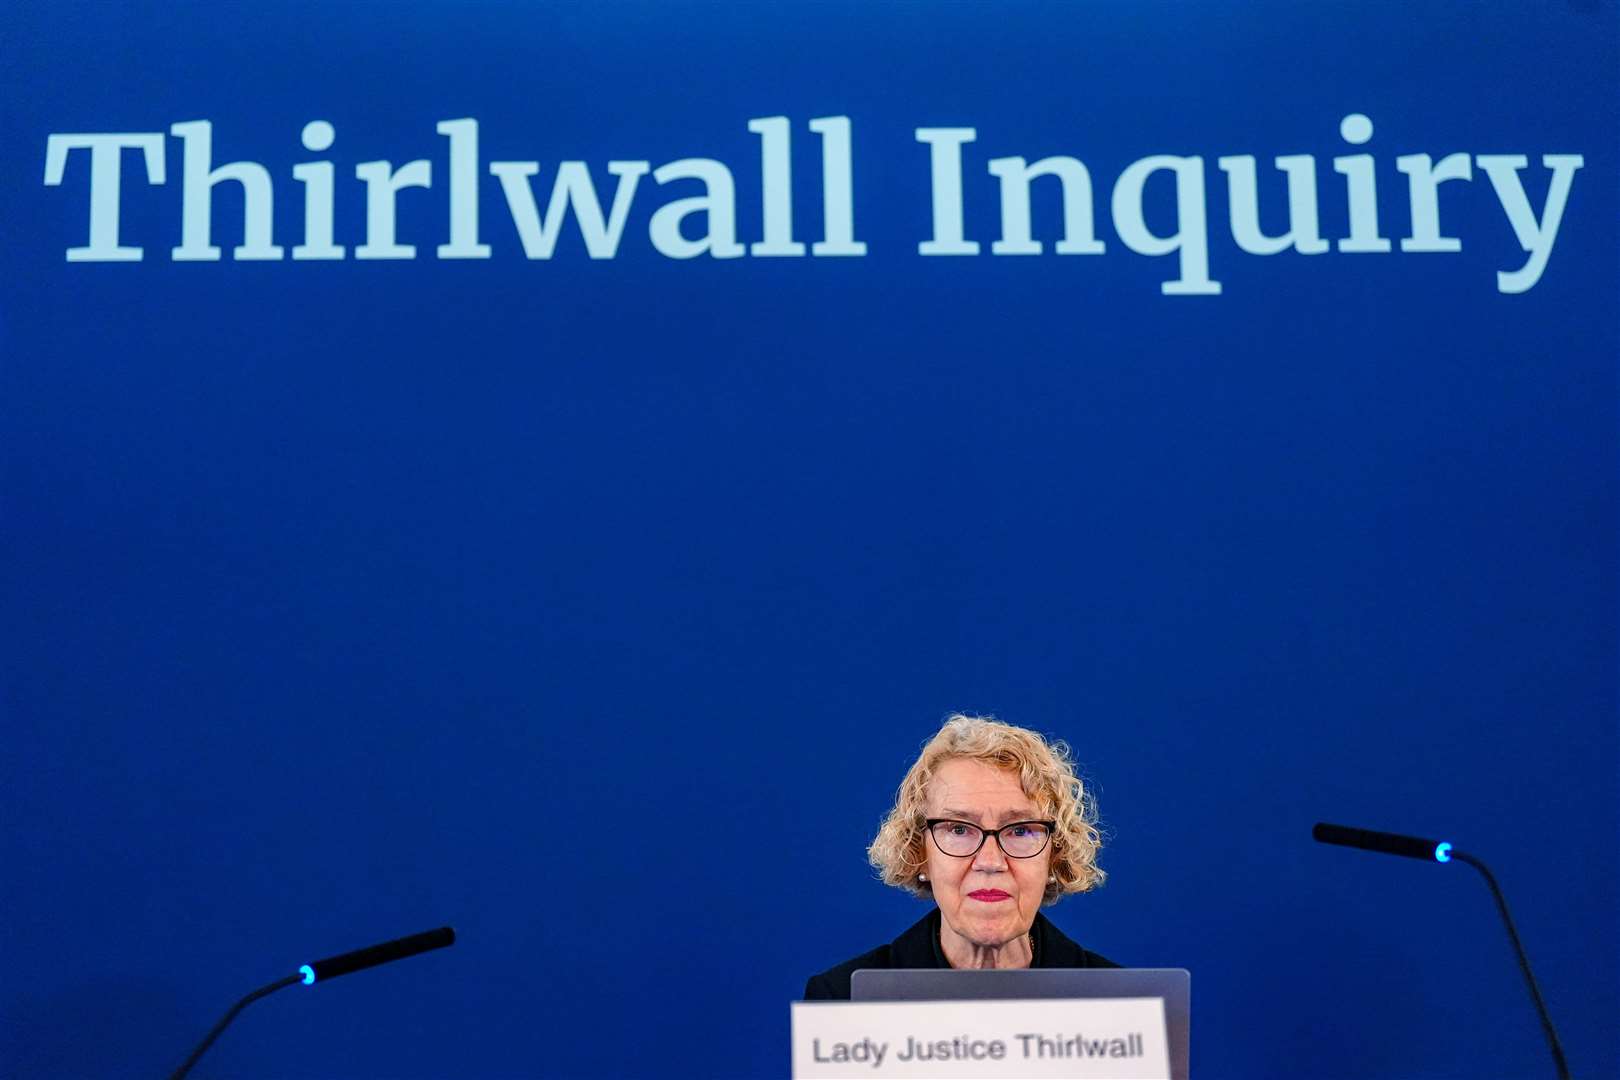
x: 962, y: 839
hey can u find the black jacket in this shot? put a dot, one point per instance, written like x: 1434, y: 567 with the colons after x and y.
x: 919, y: 948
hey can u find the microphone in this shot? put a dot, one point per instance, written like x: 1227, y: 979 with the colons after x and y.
x: 330, y: 968
x: 372, y: 955
x: 1441, y: 851
x: 1387, y: 842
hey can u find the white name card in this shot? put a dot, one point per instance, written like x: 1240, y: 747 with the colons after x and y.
x: 1094, y: 1039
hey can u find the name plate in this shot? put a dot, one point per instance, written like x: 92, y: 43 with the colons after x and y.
x: 1095, y: 1039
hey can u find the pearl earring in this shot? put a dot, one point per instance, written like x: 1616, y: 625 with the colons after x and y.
x: 1052, y: 878
x: 922, y: 877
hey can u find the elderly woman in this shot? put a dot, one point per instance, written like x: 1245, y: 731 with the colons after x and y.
x: 991, y: 822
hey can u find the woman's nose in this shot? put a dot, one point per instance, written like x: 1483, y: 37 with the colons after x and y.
x: 990, y: 857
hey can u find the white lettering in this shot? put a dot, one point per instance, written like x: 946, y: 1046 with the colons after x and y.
x: 1535, y: 237
x: 382, y: 185
x: 776, y: 182
x: 318, y: 180
x: 197, y: 199
x: 945, y: 160
x: 106, y: 162
x: 1191, y: 237
x: 1136, y: 197
x: 1243, y: 209
x: 1079, y: 230
x: 1361, y: 188
x: 837, y: 189
x: 463, y: 136
x: 572, y: 187
x: 718, y: 204
x: 1424, y: 178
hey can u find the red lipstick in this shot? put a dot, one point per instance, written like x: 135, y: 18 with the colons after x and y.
x: 989, y: 896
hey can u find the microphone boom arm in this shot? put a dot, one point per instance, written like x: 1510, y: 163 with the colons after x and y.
x: 1524, y: 960
x: 1414, y: 847
x: 225, y: 1021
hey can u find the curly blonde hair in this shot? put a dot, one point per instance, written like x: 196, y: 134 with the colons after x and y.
x: 1045, y: 771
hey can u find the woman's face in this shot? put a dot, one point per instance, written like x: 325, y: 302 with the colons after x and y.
x: 987, y: 898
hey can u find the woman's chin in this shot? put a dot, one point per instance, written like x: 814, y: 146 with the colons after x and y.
x: 990, y: 930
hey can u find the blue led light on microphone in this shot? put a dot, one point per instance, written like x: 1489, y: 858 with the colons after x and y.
x: 308, y: 973
x: 1442, y: 851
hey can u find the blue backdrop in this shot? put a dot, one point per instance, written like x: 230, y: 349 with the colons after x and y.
x: 597, y: 605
